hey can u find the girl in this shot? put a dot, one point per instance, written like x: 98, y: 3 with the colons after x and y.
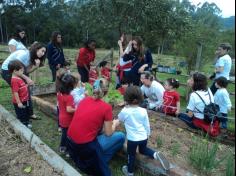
x: 105, y: 70
x: 55, y: 54
x: 221, y: 98
x: 137, y: 128
x: 66, y: 83
x: 171, y: 98
x: 84, y: 57
x: 93, y: 73
x: 18, y: 40
x: 194, y: 116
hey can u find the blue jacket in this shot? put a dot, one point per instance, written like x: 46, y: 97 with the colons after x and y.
x: 55, y: 55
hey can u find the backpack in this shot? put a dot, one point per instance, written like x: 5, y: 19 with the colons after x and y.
x: 210, y: 111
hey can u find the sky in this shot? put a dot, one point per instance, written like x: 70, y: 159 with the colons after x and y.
x: 227, y: 7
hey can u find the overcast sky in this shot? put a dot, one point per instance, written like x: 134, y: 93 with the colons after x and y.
x: 226, y: 6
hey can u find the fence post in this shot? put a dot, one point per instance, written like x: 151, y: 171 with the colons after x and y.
x: 112, y: 57
x: 199, y: 55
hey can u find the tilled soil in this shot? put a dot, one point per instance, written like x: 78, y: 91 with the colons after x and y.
x: 16, y: 155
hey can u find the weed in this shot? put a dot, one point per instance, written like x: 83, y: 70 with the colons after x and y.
x: 203, y: 155
x: 230, y: 165
x: 159, y: 142
x: 175, y: 149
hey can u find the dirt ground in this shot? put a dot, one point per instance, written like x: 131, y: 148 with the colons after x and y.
x: 16, y: 156
x: 174, y: 142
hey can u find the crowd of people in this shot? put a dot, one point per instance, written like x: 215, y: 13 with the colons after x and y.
x: 88, y: 135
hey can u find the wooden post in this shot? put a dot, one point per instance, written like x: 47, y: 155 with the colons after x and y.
x: 112, y: 57
x: 199, y: 56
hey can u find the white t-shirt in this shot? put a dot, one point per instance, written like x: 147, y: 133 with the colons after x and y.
x: 78, y: 95
x: 154, y: 93
x: 226, y: 62
x: 17, y: 44
x: 221, y: 98
x: 195, y: 103
x: 22, y: 55
x: 136, y: 122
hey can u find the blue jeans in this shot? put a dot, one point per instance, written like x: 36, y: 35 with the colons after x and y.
x: 111, y: 144
x: 131, y: 150
x: 223, y: 120
x: 188, y: 120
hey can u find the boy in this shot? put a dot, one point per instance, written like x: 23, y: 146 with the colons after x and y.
x: 20, y: 94
x: 93, y: 73
x: 105, y: 70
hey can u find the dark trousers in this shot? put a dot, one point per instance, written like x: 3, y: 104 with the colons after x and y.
x: 223, y: 120
x: 213, y: 88
x: 7, y: 77
x: 23, y: 113
x: 83, y: 73
x: 89, y: 158
x: 131, y: 150
x: 64, y: 137
x: 54, y: 72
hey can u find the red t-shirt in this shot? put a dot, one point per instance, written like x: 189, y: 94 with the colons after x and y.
x: 85, y: 57
x: 88, y: 120
x: 18, y: 85
x: 121, y: 90
x: 64, y: 100
x: 93, y: 75
x: 170, y: 99
x: 105, y: 72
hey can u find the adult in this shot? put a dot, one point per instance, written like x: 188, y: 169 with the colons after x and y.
x: 195, y: 116
x: 153, y: 90
x: 88, y: 147
x: 18, y: 41
x: 84, y: 57
x: 31, y: 59
x: 223, y: 64
x: 55, y: 54
x: 141, y: 60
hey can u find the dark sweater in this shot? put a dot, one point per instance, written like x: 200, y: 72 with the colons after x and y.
x: 55, y: 55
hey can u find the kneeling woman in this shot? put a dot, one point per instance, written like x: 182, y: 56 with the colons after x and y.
x: 195, y: 117
x: 90, y: 149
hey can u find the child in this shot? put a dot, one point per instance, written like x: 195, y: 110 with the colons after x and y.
x: 66, y: 84
x: 221, y: 98
x: 79, y: 91
x: 124, y: 84
x: 171, y: 98
x: 20, y: 93
x: 137, y: 127
x: 105, y: 70
x: 67, y: 66
x: 93, y: 73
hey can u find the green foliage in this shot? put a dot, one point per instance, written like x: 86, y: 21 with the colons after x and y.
x: 159, y: 142
x: 89, y: 88
x: 203, y: 155
x: 113, y: 96
x: 175, y: 148
x: 230, y: 164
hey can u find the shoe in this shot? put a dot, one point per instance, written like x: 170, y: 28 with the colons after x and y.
x: 29, y: 126
x: 59, y: 129
x: 34, y: 117
x: 62, y: 150
x: 164, y: 162
x: 125, y: 171
x: 67, y: 155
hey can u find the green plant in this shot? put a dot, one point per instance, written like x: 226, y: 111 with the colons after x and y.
x: 203, y: 155
x: 230, y: 165
x: 159, y: 142
x: 175, y: 148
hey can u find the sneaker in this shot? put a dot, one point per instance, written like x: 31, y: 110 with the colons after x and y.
x: 125, y: 171
x: 29, y: 126
x: 67, y: 155
x: 62, y: 150
x: 164, y: 162
x: 59, y: 129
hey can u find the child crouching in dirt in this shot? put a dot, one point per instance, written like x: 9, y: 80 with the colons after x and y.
x: 66, y: 83
x: 137, y: 127
x: 105, y: 70
x: 20, y: 93
x: 93, y: 73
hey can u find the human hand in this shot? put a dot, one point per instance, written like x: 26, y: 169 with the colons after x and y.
x: 119, y: 43
x: 20, y: 105
x: 37, y: 62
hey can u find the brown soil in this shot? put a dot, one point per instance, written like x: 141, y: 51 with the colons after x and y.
x: 176, y: 139
x: 16, y: 155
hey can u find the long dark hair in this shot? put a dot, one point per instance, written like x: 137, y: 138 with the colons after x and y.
x: 16, y: 35
x: 89, y: 41
x: 141, y: 51
x: 199, y: 82
x: 33, y: 53
x: 54, y: 39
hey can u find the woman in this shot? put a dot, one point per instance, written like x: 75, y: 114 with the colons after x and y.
x: 223, y: 64
x: 194, y: 116
x: 55, y: 54
x: 88, y: 147
x: 141, y: 60
x: 18, y: 40
x: 31, y: 59
x: 84, y: 57
x: 153, y: 90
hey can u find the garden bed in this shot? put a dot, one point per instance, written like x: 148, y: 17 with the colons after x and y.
x: 175, y: 142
